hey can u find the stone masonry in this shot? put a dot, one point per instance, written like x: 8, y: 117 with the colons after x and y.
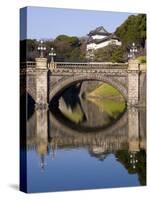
x: 44, y: 82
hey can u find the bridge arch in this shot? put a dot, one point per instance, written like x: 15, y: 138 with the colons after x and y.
x: 64, y: 83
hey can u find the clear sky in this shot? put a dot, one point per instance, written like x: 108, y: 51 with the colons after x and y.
x: 50, y: 22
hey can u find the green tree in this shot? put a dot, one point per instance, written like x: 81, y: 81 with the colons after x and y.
x: 28, y: 49
x: 117, y: 54
x: 71, y: 40
x: 133, y: 30
x: 68, y: 48
x: 110, y: 53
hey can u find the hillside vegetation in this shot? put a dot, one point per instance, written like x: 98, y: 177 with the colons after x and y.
x: 73, y: 48
x: 108, y: 99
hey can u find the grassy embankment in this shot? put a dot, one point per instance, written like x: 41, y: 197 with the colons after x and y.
x: 108, y: 99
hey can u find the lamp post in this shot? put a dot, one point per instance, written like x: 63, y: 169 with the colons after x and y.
x: 41, y: 48
x: 133, y: 51
x: 52, y: 54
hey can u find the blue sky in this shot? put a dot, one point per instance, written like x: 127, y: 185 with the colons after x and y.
x: 48, y: 23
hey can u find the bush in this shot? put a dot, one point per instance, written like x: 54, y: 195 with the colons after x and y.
x: 142, y: 59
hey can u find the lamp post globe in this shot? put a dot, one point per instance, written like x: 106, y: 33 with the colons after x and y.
x: 132, y: 51
x: 52, y: 54
x: 41, y: 48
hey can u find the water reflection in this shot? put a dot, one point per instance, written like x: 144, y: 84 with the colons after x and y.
x: 88, y: 113
x: 78, y: 145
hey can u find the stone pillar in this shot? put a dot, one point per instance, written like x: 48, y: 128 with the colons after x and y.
x: 133, y: 83
x: 41, y: 134
x: 41, y: 83
x: 41, y: 124
x: 133, y: 129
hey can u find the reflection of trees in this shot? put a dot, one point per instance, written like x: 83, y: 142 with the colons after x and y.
x: 71, y: 95
x: 123, y: 156
x: 93, y: 112
x: 69, y: 104
x: 141, y: 167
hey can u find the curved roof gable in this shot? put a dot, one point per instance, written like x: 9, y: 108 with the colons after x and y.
x: 99, y: 31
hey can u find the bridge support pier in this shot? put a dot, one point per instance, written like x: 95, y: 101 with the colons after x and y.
x: 41, y: 83
x: 133, y: 83
x: 41, y: 116
x: 133, y: 129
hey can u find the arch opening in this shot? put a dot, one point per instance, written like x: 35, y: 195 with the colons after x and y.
x: 59, y: 87
x: 85, y: 112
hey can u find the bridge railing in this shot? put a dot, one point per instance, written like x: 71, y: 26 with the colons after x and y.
x: 91, y: 65
x: 70, y: 65
x: 28, y: 64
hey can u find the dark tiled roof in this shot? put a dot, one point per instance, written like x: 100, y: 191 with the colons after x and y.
x: 99, y: 31
x: 98, y: 41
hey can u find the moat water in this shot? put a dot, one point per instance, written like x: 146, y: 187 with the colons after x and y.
x: 85, y: 143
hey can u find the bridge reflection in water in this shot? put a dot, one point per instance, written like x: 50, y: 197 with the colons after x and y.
x: 64, y: 149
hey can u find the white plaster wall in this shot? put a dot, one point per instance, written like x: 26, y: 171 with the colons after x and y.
x: 103, y: 44
x: 98, y: 36
x: 106, y: 43
x: 116, y: 42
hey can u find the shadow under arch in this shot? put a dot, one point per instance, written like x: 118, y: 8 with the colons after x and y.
x: 64, y: 83
x: 70, y: 130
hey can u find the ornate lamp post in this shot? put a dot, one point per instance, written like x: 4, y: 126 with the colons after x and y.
x: 52, y: 54
x: 133, y: 51
x: 41, y: 48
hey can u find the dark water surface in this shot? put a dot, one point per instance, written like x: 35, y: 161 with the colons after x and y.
x: 85, y: 143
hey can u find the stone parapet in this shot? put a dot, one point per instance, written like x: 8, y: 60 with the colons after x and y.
x: 133, y: 65
x: 41, y: 63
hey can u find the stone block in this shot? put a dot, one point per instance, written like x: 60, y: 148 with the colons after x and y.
x: 41, y: 63
x: 133, y: 65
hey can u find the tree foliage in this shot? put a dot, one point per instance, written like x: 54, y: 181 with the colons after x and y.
x: 133, y: 30
x: 69, y: 48
x: 110, y: 53
x: 73, y: 49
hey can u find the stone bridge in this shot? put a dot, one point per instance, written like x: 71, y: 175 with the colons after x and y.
x: 43, y: 81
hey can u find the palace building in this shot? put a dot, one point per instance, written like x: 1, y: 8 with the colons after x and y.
x: 100, y: 38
